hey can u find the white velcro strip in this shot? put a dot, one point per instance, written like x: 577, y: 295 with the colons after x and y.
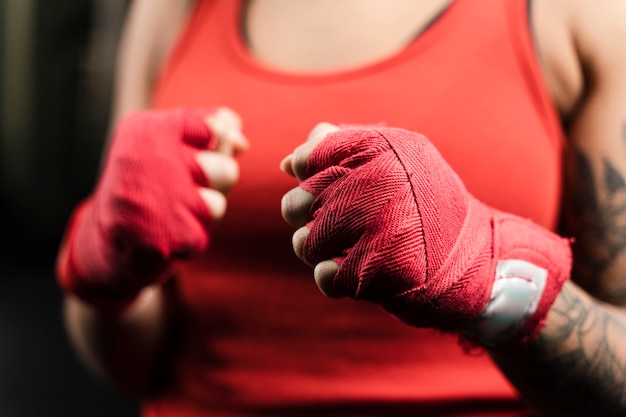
x: 514, y: 298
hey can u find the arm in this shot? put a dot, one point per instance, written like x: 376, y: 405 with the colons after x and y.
x: 578, y: 364
x: 124, y: 348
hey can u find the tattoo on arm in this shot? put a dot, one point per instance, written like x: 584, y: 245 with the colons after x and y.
x: 578, y: 364
x: 598, y: 222
x: 577, y: 367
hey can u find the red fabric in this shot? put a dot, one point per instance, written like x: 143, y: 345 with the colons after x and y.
x: 257, y: 337
x: 408, y: 235
x: 145, y: 212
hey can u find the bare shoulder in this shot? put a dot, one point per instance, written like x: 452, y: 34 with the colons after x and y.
x: 598, y: 26
x: 579, y: 42
x: 551, y: 28
x: 150, y: 31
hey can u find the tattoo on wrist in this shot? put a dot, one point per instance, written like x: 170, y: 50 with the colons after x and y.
x: 579, y: 360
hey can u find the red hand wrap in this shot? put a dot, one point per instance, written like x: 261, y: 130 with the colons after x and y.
x: 409, y: 236
x: 145, y: 212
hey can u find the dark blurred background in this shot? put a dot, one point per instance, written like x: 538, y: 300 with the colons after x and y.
x: 57, y: 59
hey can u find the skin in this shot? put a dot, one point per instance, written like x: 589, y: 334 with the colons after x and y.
x: 577, y: 366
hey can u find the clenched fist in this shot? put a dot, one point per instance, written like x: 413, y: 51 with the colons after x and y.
x: 383, y: 218
x: 162, y: 186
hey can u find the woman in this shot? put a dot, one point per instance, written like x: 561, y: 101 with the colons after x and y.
x: 513, y: 97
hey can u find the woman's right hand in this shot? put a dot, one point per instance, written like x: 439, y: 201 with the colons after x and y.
x: 162, y: 188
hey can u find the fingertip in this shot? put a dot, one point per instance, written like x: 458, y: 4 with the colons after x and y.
x: 240, y: 141
x: 295, y: 206
x: 223, y: 116
x: 321, y: 130
x: 226, y: 127
x: 285, y: 165
x: 221, y: 171
x: 295, y: 164
x: 324, y: 274
x: 229, y: 116
x: 299, y: 158
x: 297, y: 240
x: 215, y: 201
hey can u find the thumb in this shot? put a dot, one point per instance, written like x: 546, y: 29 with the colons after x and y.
x: 226, y: 126
x: 295, y: 163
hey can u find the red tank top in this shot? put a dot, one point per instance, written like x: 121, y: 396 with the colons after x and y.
x: 257, y: 337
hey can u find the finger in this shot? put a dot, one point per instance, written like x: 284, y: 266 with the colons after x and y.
x: 324, y: 274
x: 215, y: 201
x: 232, y: 141
x: 285, y: 165
x: 298, y: 239
x: 319, y: 132
x: 301, y: 154
x: 351, y: 148
x: 221, y: 171
x: 226, y: 126
x: 295, y: 206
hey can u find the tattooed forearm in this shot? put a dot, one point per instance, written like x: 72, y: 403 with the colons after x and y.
x: 578, y: 365
x: 596, y: 198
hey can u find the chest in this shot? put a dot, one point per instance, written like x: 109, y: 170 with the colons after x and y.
x: 323, y: 35
x: 329, y: 35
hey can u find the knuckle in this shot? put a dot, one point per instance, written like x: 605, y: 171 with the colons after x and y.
x: 324, y: 275
x: 295, y: 207
x: 299, y: 161
x: 287, y: 207
x: 229, y: 116
x: 320, y: 130
x: 227, y: 168
x: 215, y: 201
x: 221, y: 170
x: 297, y: 241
